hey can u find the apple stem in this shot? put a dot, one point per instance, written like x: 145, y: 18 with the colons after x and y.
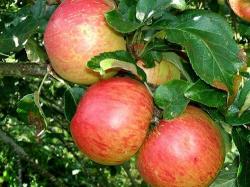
x: 149, y: 90
x: 56, y: 77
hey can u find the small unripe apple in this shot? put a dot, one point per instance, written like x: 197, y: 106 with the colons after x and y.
x: 241, y: 8
x: 185, y: 151
x: 75, y: 33
x: 112, y: 120
x: 161, y: 73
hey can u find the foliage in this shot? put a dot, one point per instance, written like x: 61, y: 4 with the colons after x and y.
x: 35, y: 112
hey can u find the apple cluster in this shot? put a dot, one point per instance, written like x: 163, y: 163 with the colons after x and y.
x: 113, y: 117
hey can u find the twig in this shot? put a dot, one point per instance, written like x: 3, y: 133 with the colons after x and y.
x: 24, y: 156
x: 148, y: 88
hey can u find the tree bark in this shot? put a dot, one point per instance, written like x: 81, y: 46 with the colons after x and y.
x: 22, y: 69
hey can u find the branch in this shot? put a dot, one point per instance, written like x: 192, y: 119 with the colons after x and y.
x: 24, y: 156
x: 22, y: 69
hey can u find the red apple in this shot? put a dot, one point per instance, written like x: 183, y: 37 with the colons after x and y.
x: 241, y: 8
x: 183, y: 152
x: 112, y: 120
x: 76, y: 32
x: 161, y: 73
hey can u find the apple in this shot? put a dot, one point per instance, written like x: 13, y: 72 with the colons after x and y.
x: 112, y: 120
x: 185, y: 151
x: 75, y: 33
x: 241, y: 8
x: 161, y: 73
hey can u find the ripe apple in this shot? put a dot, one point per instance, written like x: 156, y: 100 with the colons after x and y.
x: 75, y: 33
x: 241, y: 8
x: 112, y: 120
x: 186, y: 151
x: 161, y: 73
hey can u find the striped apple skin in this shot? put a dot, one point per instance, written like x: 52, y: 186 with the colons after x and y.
x: 76, y: 32
x: 187, y: 151
x: 112, y: 120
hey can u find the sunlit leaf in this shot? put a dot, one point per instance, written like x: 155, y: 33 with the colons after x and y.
x: 146, y: 10
x: 35, y: 53
x: 208, y: 41
x: 205, y: 94
x: 15, y: 37
x: 117, y: 59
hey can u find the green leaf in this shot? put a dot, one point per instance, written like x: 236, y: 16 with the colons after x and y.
x: 234, y: 119
x: 29, y: 112
x: 26, y: 106
x: 41, y: 12
x: 72, y: 97
x: 244, y: 29
x: 208, y: 41
x: 146, y: 10
x: 241, y: 137
x: 205, y: 94
x: 14, y: 38
x: 176, y: 60
x: 239, y: 112
x: 248, y: 57
x: 123, y: 19
x: 120, y: 23
x: 227, y: 176
x: 128, y: 9
x: 214, y: 113
x: 35, y: 53
x: 39, y: 9
x: 149, y: 58
x: 117, y: 59
x: 27, y: 21
x: 170, y: 97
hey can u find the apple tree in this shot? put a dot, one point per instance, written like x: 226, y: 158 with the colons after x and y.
x: 176, y: 111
